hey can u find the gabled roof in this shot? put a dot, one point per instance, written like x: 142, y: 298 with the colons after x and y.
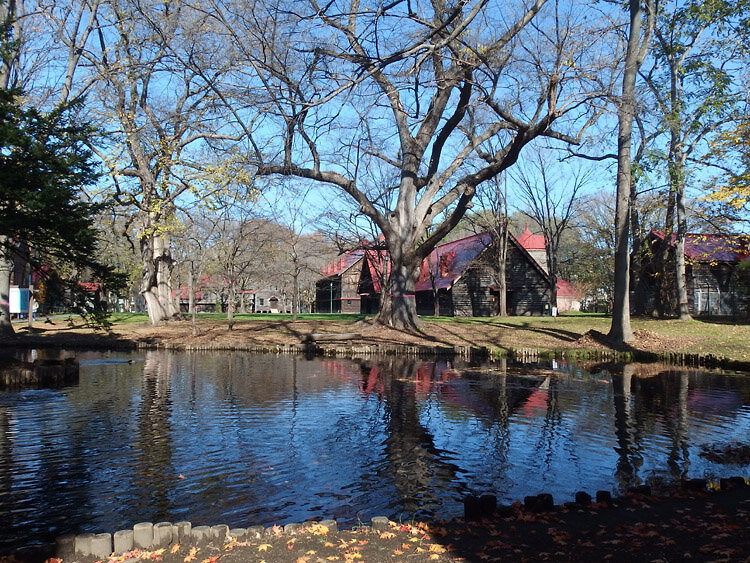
x: 448, y: 261
x: 530, y: 241
x: 445, y: 264
x: 700, y: 247
x: 376, y: 264
x: 343, y: 262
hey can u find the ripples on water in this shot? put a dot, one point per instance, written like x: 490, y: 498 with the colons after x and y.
x: 246, y: 439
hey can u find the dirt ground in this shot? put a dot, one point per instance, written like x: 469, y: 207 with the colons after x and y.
x: 214, y: 334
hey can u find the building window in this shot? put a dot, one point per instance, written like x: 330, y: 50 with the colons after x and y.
x: 260, y: 301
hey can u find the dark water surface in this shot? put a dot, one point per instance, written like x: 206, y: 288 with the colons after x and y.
x: 245, y: 439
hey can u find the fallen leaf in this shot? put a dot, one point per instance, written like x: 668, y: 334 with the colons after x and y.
x: 264, y: 546
x: 175, y: 548
x: 319, y: 529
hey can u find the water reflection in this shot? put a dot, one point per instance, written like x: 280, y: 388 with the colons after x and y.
x: 245, y: 439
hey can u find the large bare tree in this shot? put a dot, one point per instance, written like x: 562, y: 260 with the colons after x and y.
x: 156, y: 113
x: 421, y: 87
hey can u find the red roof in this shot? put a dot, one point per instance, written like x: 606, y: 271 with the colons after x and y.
x: 566, y: 289
x: 343, y: 262
x: 701, y: 247
x: 448, y: 261
x: 530, y: 241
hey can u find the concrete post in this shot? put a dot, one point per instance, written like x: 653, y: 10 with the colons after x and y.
x: 123, y: 541
x: 143, y: 535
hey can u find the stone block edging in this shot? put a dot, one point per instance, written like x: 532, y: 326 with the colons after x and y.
x: 145, y: 536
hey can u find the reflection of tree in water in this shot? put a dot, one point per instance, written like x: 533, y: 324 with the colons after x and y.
x: 413, y: 463
x: 6, y: 455
x: 629, y: 458
x: 154, y: 460
x: 552, y: 421
x: 659, y: 398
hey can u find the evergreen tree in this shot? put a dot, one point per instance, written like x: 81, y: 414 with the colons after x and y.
x: 44, y: 164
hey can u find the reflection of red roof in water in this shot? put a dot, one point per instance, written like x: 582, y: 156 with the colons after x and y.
x: 710, y: 401
x: 537, y: 401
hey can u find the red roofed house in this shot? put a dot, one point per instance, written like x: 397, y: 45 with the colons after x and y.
x: 714, y: 281
x: 465, y: 281
x: 568, y: 297
x: 338, y: 291
x: 458, y: 275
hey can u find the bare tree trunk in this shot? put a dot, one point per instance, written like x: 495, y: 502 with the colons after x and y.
x: 682, y: 294
x: 665, y: 286
x: 399, y: 303
x: 192, y: 300
x: 677, y: 181
x: 6, y: 269
x: 502, y: 248
x: 552, y: 270
x: 230, y: 303
x: 191, y: 289
x: 295, y: 292
x: 156, y: 285
x: 636, y: 258
x: 502, y: 282
x: 620, y: 329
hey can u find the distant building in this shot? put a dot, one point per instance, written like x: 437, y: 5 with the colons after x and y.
x: 716, y: 284
x: 211, y: 295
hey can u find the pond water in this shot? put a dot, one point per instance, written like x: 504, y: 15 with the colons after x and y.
x: 244, y: 439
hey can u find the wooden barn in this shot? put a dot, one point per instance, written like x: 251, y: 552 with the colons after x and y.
x: 460, y: 274
x: 717, y: 281
x: 458, y: 277
x: 338, y: 291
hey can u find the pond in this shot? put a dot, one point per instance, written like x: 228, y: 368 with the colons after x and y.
x: 244, y: 439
